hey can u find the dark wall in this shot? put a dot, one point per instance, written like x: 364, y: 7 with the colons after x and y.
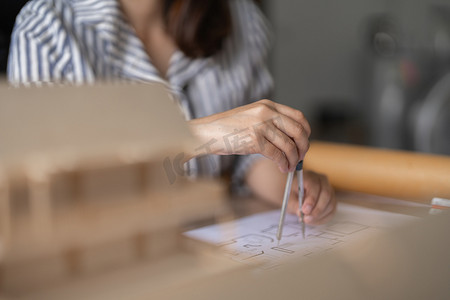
x: 8, y: 12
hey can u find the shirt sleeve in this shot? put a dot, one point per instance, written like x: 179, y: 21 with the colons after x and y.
x: 40, y: 49
x: 257, y: 36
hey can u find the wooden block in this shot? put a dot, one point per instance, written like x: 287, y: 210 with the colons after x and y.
x: 163, y: 242
x: 18, y: 278
x: 109, y: 256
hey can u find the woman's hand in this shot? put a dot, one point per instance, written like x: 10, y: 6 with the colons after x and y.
x: 276, y: 131
x: 267, y: 183
x: 319, y: 203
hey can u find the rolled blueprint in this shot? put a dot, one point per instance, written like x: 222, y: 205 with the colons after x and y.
x: 399, y: 174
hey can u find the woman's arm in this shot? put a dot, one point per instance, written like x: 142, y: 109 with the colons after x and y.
x: 267, y: 183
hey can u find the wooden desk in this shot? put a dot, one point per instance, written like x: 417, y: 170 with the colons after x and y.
x: 209, y: 276
x: 410, y: 262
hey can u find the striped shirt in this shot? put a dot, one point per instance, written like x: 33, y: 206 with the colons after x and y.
x: 82, y: 41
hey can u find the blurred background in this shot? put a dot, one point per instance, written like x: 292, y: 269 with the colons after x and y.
x: 369, y: 72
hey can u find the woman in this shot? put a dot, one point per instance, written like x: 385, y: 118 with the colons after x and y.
x: 212, y: 54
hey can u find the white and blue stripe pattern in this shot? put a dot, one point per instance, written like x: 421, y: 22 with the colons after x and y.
x: 82, y: 41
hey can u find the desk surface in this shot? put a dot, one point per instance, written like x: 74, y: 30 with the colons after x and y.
x: 207, y: 277
x: 409, y: 262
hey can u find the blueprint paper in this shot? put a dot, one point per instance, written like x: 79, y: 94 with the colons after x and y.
x: 252, y: 239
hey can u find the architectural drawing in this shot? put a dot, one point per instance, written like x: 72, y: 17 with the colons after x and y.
x: 252, y: 240
x: 252, y: 246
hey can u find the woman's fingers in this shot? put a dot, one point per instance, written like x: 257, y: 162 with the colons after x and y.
x: 297, y: 133
x: 290, y: 112
x: 289, y: 132
x: 312, y: 192
x: 319, y: 203
x: 284, y: 145
x: 275, y: 154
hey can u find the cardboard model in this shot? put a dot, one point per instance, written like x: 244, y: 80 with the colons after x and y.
x: 82, y: 183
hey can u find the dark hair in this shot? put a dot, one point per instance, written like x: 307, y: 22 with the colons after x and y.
x: 199, y: 27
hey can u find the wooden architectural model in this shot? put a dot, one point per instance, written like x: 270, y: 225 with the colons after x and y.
x: 82, y: 183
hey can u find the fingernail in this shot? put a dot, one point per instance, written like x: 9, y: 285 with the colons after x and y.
x: 307, y: 209
x: 308, y: 219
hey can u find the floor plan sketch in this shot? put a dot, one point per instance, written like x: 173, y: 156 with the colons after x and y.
x: 252, y: 240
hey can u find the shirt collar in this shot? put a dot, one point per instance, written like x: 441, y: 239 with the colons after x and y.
x: 114, y: 50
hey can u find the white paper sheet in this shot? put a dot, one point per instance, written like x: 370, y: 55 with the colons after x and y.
x: 253, y: 240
